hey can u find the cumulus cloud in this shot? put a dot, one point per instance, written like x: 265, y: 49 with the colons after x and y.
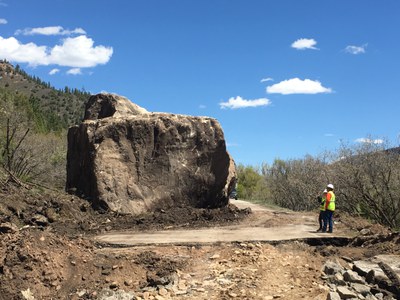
x: 355, y: 49
x: 12, y: 50
x: 75, y: 52
x: 50, y: 30
x: 74, y: 71
x: 302, y: 44
x: 298, y: 86
x: 3, y: 21
x: 369, y: 141
x: 54, y: 71
x: 2, y: 3
x: 79, y: 52
x: 239, y: 102
x: 266, y: 79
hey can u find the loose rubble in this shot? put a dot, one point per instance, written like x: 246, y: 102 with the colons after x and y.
x: 362, y: 279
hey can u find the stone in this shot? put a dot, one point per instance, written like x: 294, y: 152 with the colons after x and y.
x: 108, y: 294
x: 345, y: 293
x: 362, y: 267
x: 7, y: 227
x: 215, y: 256
x: 126, y: 159
x: 370, y: 277
x: 40, y: 220
x: 352, y: 276
x: 27, y: 294
x: 338, y: 279
x: 333, y: 296
x: 361, y: 288
x: 331, y: 268
x: 379, y: 296
x: 372, y: 271
x: 365, y: 231
x: 391, y: 259
x: 103, y: 105
x: 163, y: 292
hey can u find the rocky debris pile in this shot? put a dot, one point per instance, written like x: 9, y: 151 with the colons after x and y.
x: 364, y: 279
x: 132, y: 161
x: 232, y: 271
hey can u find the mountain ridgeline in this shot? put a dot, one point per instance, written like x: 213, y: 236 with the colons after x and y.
x: 47, y: 108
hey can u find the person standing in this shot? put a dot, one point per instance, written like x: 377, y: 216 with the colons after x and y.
x: 330, y: 205
x: 321, y: 217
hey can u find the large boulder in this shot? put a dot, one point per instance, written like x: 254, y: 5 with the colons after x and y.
x: 129, y: 160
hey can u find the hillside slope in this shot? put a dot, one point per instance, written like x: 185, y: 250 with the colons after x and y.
x: 63, y: 107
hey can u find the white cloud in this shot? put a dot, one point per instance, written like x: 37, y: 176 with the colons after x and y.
x: 239, y: 102
x: 2, y: 3
x: 298, y: 86
x: 76, y: 52
x: 329, y: 134
x: 54, y: 71
x: 74, y: 71
x: 202, y: 106
x: 79, y: 52
x: 302, y: 44
x: 3, y: 21
x: 356, y: 49
x: 369, y: 141
x: 50, y: 30
x: 12, y: 50
x: 266, y: 79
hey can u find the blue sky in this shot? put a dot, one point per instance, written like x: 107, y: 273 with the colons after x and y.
x: 284, y: 78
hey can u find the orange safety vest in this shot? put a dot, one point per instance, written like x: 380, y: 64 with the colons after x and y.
x: 331, y: 206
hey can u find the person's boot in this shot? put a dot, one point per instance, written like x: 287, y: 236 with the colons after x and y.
x: 319, y: 229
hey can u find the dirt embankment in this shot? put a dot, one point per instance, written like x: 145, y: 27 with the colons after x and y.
x: 47, y: 252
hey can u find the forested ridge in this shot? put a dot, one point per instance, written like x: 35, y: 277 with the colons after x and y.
x: 51, y: 109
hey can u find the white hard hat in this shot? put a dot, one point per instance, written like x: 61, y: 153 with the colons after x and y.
x: 330, y: 186
x: 325, y: 191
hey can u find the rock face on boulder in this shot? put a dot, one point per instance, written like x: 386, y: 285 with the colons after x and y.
x: 131, y: 161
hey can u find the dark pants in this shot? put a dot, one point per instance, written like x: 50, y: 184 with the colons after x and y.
x: 328, y: 221
x: 321, y: 219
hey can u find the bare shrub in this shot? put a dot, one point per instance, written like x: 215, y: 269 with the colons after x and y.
x: 295, y: 184
x: 368, y: 180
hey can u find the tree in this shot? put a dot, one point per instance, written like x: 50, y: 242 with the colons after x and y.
x: 251, y: 184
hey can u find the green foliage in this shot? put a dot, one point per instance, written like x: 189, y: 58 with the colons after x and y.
x: 251, y: 184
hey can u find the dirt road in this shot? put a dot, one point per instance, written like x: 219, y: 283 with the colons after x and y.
x: 233, y: 261
x: 264, y: 225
